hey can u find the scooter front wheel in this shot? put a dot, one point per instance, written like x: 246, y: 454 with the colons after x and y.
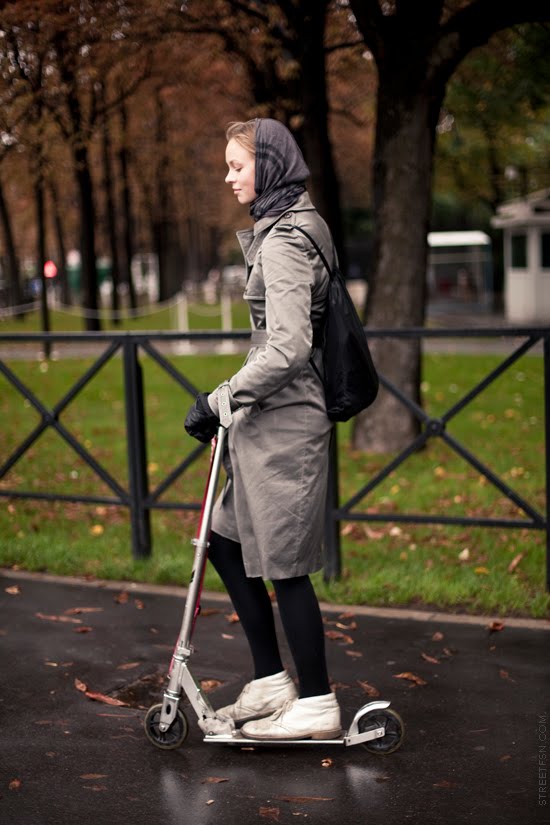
x: 394, y: 735
x: 170, y: 739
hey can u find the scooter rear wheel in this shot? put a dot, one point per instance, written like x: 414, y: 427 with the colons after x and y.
x: 394, y: 735
x: 170, y: 739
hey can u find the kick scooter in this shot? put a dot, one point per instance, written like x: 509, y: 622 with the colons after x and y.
x: 375, y: 726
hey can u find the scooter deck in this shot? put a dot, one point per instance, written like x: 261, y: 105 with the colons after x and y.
x: 237, y: 739
x: 240, y: 740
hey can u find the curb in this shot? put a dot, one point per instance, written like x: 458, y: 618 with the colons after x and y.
x: 401, y: 613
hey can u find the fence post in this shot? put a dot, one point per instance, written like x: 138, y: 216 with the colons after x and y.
x: 332, y: 562
x: 140, y: 516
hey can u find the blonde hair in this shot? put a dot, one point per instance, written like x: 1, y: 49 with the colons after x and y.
x: 244, y: 133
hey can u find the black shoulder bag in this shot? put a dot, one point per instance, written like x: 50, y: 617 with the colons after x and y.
x: 350, y: 378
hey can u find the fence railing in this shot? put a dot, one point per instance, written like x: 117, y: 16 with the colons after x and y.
x: 141, y: 498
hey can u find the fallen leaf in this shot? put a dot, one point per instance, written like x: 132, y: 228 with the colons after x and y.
x: 97, y: 530
x: 384, y: 778
x: 448, y: 652
x: 437, y: 637
x: 345, y: 616
x: 270, y: 813
x: 515, y: 561
x: 431, y: 659
x: 481, y: 571
x: 374, y: 534
x: 445, y: 783
x: 75, y: 611
x: 214, y: 780
x: 80, y: 686
x: 338, y: 686
x: 107, y: 700
x: 209, y: 611
x: 139, y: 604
x: 227, y: 636
x: 338, y: 635
x: 67, y: 619
x: 13, y: 590
x: 356, y: 653
x: 505, y: 758
x: 350, y: 626
x: 232, y: 618
x: 15, y: 784
x: 505, y: 675
x: 210, y: 684
x: 93, y: 776
x: 122, y: 598
x: 83, y: 629
x: 369, y: 689
x: 411, y: 677
x: 300, y: 799
x: 495, y: 626
x: 210, y: 802
x: 95, y: 787
x: 327, y: 763
x: 128, y: 666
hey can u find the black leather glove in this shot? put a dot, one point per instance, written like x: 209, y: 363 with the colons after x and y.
x: 201, y: 422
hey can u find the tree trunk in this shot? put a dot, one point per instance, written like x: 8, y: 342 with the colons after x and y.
x: 166, y: 231
x: 89, y: 283
x: 128, y: 223
x: 61, y: 276
x: 111, y: 215
x: 402, y: 203
x: 41, y: 254
x: 12, y: 264
x: 325, y: 188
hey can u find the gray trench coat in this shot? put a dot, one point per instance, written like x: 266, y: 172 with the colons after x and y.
x: 274, y: 499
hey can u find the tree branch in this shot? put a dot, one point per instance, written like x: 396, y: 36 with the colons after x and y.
x: 371, y: 24
x: 474, y: 24
x: 350, y: 44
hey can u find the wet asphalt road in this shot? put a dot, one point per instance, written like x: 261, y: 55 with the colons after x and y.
x: 473, y: 731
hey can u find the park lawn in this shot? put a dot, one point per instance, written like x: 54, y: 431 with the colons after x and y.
x: 201, y: 317
x: 458, y: 568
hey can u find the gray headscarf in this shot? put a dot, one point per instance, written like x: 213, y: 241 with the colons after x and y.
x: 281, y: 170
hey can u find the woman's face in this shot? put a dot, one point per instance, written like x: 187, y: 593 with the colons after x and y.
x: 242, y: 167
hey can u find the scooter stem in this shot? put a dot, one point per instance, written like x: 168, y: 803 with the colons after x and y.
x: 201, y: 549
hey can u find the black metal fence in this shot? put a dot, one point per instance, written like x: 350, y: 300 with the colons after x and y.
x: 141, y: 499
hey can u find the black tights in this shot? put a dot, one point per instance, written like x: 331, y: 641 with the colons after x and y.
x: 299, y: 611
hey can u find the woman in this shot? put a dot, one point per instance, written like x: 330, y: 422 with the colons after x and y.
x: 268, y: 521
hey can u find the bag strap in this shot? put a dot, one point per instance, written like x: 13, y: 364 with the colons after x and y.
x: 318, y: 250
x: 331, y: 275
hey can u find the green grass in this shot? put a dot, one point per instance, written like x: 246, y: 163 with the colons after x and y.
x: 383, y: 563
x: 201, y: 317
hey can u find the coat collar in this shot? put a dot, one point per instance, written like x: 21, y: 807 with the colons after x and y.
x: 250, y: 240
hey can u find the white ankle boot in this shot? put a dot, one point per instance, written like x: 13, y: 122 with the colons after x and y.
x: 316, y: 717
x: 260, y: 698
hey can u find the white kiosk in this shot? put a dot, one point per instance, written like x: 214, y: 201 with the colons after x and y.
x: 526, y: 226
